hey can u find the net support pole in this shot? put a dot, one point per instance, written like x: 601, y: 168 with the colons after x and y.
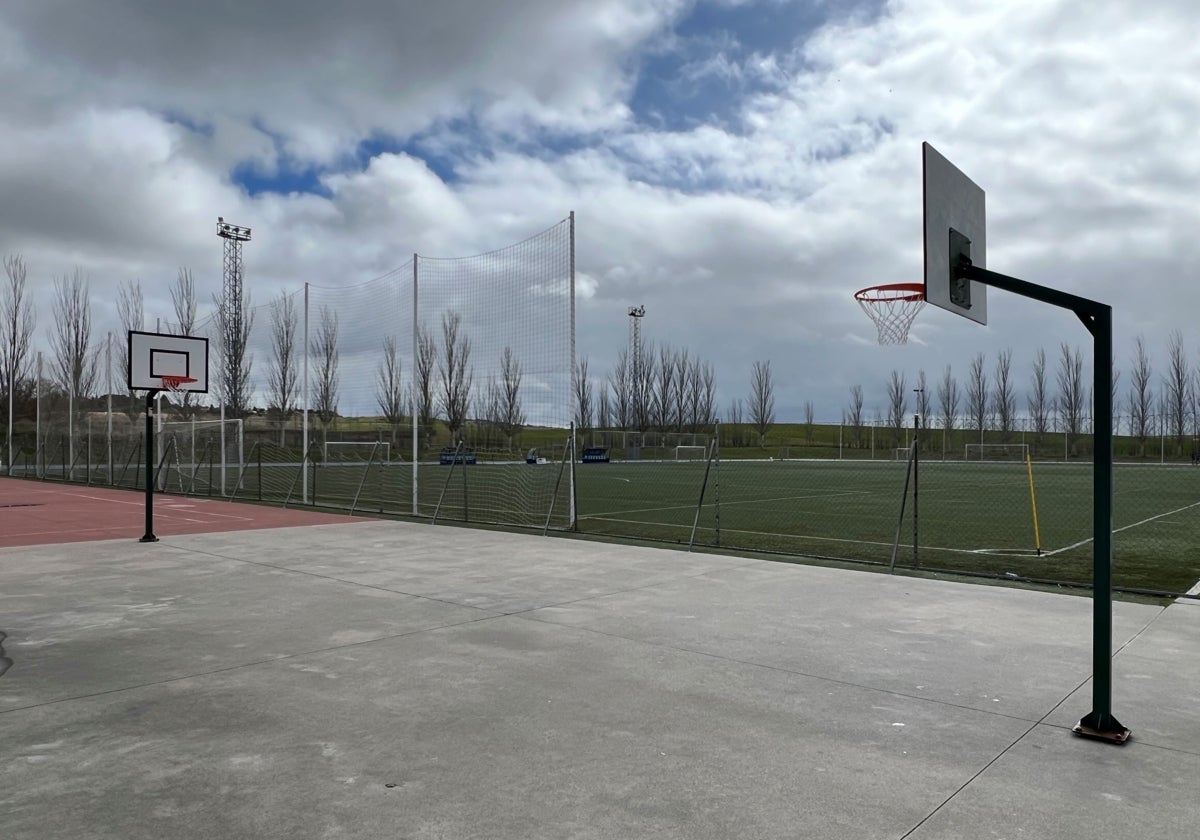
x: 415, y: 396
x: 108, y: 408
x: 304, y: 421
x: 574, y: 372
x: 37, y: 422
x: 1097, y: 318
x: 149, y: 535
x: 903, y: 502
x: 916, y: 476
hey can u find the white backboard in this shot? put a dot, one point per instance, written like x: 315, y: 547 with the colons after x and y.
x: 952, y: 202
x: 154, y: 355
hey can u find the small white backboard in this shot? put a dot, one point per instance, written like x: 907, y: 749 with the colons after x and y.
x: 953, y: 202
x: 155, y: 355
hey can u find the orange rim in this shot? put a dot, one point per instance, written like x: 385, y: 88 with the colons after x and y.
x: 892, y: 291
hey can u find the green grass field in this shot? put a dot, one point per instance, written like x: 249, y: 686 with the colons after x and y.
x: 973, y: 517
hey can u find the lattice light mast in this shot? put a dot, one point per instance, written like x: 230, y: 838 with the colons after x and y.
x: 233, y: 333
x: 636, y: 314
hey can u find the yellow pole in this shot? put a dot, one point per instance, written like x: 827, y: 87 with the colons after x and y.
x: 1033, y: 503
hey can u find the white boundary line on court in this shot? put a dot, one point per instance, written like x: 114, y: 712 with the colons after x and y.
x: 1122, y: 528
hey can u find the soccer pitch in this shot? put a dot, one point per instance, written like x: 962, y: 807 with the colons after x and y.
x: 972, y: 517
x: 975, y: 517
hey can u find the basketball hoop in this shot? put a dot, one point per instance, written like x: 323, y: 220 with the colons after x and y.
x: 892, y: 307
x: 175, y: 384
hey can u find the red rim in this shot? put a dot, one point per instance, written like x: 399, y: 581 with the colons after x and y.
x: 915, y: 291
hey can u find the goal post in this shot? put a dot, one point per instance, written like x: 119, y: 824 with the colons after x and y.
x: 356, y: 451
x: 199, y: 444
x: 691, y: 453
x: 1015, y: 452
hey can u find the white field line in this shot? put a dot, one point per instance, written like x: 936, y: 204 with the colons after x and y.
x: 692, y: 506
x: 797, y: 536
x: 1122, y: 528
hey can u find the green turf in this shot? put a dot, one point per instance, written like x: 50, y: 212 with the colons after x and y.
x: 973, y: 517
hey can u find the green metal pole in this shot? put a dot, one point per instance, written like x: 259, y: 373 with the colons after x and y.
x: 1097, y: 317
x: 1100, y: 723
x: 149, y: 535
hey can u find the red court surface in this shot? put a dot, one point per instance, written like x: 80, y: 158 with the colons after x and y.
x: 40, y: 513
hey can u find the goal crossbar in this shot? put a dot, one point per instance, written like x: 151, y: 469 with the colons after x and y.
x: 996, y: 452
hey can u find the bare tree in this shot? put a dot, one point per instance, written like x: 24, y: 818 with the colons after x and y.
x: 762, y: 400
x: 681, y: 417
x: 1004, y: 398
x: 234, y: 324
x: 620, y: 382
x: 16, y: 338
x: 455, y: 377
x: 808, y: 421
x: 183, y: 300
x: 426, y: 363
x: 897, y: 404
x: 512, y: 417
x: 642, y: 376
x: 74, y: 360
x: 325, y: 351
x: 977, y: 396
x: 701, y: 396
x: 948, y: 398
x: 662, y: 397
x: 389, y: 387
x: 131, y: 312
x: 735, y: 421
x: 583, y: 396
x: 854, y: 414
x: 603, y: 407
x: 1140, y: 396
x: 1178, y: 381
x: 1039, y: 398
x: 487, y: 407
x: 282, y: 376
x: 1070, y: 402
x: 924, y: 408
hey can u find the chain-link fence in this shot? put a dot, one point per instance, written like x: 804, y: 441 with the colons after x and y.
x: 1011, y: 509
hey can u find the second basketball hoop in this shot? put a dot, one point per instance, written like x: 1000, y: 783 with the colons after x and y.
x: 892, y: 307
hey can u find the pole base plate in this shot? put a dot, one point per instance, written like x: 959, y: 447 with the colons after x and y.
x: 148, y: 538
x: 1110, y: 730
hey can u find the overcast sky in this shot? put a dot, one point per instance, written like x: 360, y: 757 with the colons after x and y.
x: 738, y: 167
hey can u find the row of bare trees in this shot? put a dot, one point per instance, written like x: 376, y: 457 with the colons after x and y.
x: 1057, y: 400
x: 667, y: 390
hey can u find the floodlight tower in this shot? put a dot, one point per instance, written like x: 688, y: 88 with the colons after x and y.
x: 232, y: 342
x: 636, y: 313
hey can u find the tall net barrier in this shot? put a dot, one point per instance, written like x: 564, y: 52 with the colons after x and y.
x: 495, y: 339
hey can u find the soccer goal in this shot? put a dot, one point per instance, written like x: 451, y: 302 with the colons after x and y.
x: 1018, y: 452
x: 206, y: 453
x: 357, y: 451
x: 902, y: 453
x: 691, y: 453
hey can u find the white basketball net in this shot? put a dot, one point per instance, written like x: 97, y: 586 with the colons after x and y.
x: 892, y: 310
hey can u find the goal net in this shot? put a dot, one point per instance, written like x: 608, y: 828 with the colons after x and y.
x: 996, y: 452
x: 356, y: 452
x: 691, y: 453
x: 902, y: 453
x: 202, y: 457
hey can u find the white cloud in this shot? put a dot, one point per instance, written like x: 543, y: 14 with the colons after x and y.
x: 745, y: 239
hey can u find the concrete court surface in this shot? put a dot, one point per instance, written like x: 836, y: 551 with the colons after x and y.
x: 395, y: 680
